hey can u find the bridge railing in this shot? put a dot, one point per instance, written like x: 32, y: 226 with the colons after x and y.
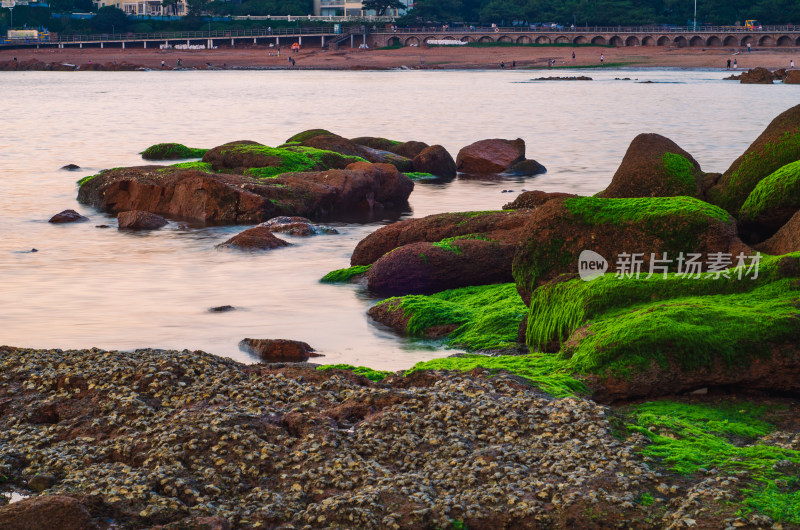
x: 787, y: 28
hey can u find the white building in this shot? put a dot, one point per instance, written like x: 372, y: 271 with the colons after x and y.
x: 352, y: 8
x: 146, y: 7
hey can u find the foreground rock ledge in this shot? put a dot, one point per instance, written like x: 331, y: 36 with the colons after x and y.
x: 155, y: 437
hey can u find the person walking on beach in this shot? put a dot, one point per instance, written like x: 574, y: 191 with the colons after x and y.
x: 735, y: 66
x: 791, y: 64
x: 748, y: 47
x: 728, y: 66
x: 602, y: 58
x: 573, y: 57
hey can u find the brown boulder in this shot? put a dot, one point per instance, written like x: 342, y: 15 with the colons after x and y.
x: 224, y: 198
x: 140, y: 220
x: 422, y: 268
x: 490, y: 156
x: 654, y: 166
x: 49, y: 511
x: 534, y: 199
x: 526, y: 168
x: 757, y: 76
x: 792, y: 77
x: 785, y: 240
x: 436, y: 161
x: 409, y: 149
x: 347, y: 147
x: 257, y: 238
x: 503, y: 226
x: 278, y: 350
x: 381, y: 144
x: 68, y: 216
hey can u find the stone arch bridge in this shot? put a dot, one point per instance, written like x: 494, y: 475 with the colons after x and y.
x: 721, y: 38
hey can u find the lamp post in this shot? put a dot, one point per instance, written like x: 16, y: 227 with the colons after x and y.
x: 695, y: 15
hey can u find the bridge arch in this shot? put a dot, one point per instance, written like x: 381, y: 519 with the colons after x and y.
x: 467, y: 39
x: 680, y: 42
x: 713, y: 40
x: 648, y: 41
x: 598, y: 40
x: 393, y: 41
x: 784, y: 40
x: 561, y: 39
x: 542, y: 40
x: 616, y: 41
x: 747, y: 40
x: 486, y: 39
x: 412, y: 41
x: 766, y: 40
x: 730, y: 41
x: 580, y: 40
x: 505, y: 38
x: 632, y: 41
x: 696, y: 41
x: 663, y: 41
x: 524, y: 40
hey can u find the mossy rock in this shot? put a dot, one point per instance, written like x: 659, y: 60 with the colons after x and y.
x: 785, y: 240
x: 348, y: 275
x: 771, y: 204
x: 171, y: 151
x: 558, y: 231
x: 261, y: 161
x: 381, y: 144
x: 655, y: 166
x: 305, y: 135
x: 777, y: 146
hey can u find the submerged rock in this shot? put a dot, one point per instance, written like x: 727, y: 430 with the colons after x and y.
x: 68, y: 216
x: 71, y: 167
x: 139, y: 220
x: 297, y: 226
x: 278, y: 350
x: 757, y: 76
x: 257, y: 238
x: 654, y: 166
x: 52, y: 511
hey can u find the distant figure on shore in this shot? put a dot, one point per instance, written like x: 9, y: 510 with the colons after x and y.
x: 735, y: 65
x: 748, y: 47
x: 791, y: 64
x: 514, y: 64
x: 602, y: 58
x: 163, y: 64
x: 502, y: 64
x: 728, y: 66
x: 179, y: 61
x: 573, y: 56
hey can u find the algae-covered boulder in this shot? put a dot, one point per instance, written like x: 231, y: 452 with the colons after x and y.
x: 534, y: 199
x: 306, y: 135
x: 665, y: 227
x: 381, y: 144
x: 208, y: 197
x: 436, y: 161
x: 502, y: 226
x: 628, y: 338
x: 409, y: 149
x: 252, y: 158
x: 757, y: 76
x: 777, y: 146
x: 771, y: 204
x: 346, y: 147
x: 171, y: 151
x: 785, y: 240
x: 419, y: 268
x: 655, y: 166
x: 490, y: 156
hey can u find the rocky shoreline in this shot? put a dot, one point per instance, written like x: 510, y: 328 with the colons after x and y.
x: 180, y: 439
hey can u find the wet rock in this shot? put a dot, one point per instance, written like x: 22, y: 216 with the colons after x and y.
x: 221, y: 309
x: 71, y: 167
x: 140, y: 220
x: 490, y: 156
x: 785, y: 240
x: 409, y: 149
x: 655, y: 166
x: 278, y: 350
x: 256, y: 238
x: 297, y: 226
x: 436, y: 161
x: 502, y: 226
x: 51, y: 511
x: 41, y: 482
x: 68, y: 216
x: 772, y: 203
x: 381, y: 144
x: 196, y: 523
x: 526, y: 168
x: 792, y: 77
x: 757, y: 76
x: 534, y: 199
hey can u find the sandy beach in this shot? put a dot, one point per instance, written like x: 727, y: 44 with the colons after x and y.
x: 417, y: 58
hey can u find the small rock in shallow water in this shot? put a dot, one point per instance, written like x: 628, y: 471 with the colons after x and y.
x: 71, y: 167
x: 68, y: 216
x: 41, y: 482
x: 278, y: 350
x: 139, y: 220
x: 221, y: 309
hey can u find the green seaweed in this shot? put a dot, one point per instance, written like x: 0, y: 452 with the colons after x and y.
x: 725, y: 438
x: 369, y: 373
x: 447, y: 243
x: 781, y: 189
x: 295, y: 159
x: 681, y: 173
x: 87, y: 178
x: 198, y: 165
x: 345, y: 275
x: 648, y: 211
x: 171, y: 151
x: 415, y: 175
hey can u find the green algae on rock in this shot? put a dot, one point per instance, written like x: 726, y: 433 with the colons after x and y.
x: 262, y: 161
x: 777, y: 146
x: 774, y: 200
x: 369, y: 373
x: 345, y: 275
x: 171, y: 151
x: 305, y: 135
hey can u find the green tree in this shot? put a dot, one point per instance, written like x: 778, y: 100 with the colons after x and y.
x: 380, y: 6
x: 195, y: 7
x: 170, y: 6
x: 108, y: 19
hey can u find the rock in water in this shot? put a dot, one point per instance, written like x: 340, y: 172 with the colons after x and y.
x: 257, y: 238
x: 757, y: 76
x: 490, y: 156
x: 139, y: 220
x: 68, y: 216
x: 655, y: 166
x: 50, y: 511
x: 436, y: 161
x: 278, y: 350
x: 71, y: 167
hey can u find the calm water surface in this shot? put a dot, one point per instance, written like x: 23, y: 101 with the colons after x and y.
x: 88, y: 286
